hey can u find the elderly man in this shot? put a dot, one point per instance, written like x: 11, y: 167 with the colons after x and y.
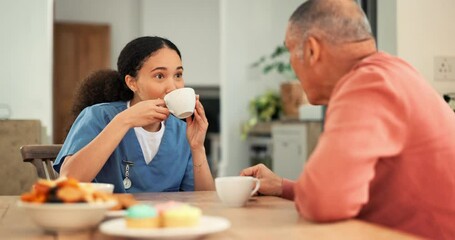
x: 387, y: 153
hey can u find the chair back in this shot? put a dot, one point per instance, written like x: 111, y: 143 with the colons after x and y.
x: 42, y: 157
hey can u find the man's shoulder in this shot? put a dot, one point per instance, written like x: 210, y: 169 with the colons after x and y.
x: 382, y: 61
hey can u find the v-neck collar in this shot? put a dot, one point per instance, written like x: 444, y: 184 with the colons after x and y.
x: 137, y: 154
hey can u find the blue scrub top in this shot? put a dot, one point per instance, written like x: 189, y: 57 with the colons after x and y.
x: 170, y: 170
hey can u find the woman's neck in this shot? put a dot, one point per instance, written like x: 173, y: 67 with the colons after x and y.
x: 154, y: 127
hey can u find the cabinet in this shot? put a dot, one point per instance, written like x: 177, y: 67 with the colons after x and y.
x: 260, y: 144
x: 293, y: 143
x: 260, y: 150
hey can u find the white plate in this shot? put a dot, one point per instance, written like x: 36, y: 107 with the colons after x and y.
x: 115, y: 213
x: 207, y: 225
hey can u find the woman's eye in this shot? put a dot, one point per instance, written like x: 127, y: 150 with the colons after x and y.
x: 159, y: 76
x: 179, y: 75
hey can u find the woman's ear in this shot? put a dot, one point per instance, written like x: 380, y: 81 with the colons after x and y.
x: 313, y: 49
x: 131, y: 83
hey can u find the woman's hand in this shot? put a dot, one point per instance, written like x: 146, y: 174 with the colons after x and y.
x: 197, y: 126
x: 271, y: 184
x: 145, y: 113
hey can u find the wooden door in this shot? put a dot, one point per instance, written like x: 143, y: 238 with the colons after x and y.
x: 79, y: 49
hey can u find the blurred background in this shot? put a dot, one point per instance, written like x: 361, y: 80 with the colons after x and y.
x: 48, y: 46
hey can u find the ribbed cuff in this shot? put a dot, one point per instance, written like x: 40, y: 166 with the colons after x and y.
x: 288, y: 189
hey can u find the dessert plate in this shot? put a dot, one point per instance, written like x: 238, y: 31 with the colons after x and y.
x: 115, y: 213
x: 207, y: 225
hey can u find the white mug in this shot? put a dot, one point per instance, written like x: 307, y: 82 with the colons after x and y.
x: 181, y: 102
x: 235, y: 191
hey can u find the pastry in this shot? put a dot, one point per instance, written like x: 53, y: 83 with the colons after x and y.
x: 124, y: 201
x: 63, y: 190
x: 175, y: 214
x: 142, y: 216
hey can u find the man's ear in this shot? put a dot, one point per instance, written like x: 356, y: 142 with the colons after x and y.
x: 313, y: 50
x: 131, y: 83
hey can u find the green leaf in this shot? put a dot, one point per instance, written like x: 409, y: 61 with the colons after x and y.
x: 281, y: 67
x: 281, y: 49
x: 259, y: 62
x: 268, y: 68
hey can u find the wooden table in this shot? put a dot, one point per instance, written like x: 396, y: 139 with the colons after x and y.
x: 262, y: 218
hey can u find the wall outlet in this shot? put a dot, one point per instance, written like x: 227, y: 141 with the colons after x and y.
x: 444, y: 68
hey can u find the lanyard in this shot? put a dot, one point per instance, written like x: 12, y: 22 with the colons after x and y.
x: 127, y: 181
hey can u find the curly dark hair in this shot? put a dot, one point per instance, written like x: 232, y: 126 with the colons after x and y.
x: 109, y: 85
x: 100, y: 86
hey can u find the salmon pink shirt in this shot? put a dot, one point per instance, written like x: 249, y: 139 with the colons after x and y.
x: 387, y: 153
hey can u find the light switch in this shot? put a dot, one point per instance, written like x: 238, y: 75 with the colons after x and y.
x: 444, y: 68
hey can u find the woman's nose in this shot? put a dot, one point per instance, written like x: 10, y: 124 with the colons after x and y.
x: 170, y: 86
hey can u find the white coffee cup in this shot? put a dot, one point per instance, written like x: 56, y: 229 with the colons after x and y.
x: 235, y: 191
x: 181, y: 102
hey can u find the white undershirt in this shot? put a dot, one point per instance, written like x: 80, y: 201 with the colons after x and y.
x: 149, y: 141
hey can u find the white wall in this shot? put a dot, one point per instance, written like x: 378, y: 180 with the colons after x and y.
x: 194, y: 27
x: 26, y: 60
x: 249, y: 30
x: 123, y: 17
x: 387, y: 26
x: 422, y: 30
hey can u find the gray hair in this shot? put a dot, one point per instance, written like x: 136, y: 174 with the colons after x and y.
x: 338, y: 21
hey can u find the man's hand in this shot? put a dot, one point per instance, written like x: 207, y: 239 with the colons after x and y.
x: 271, y: 184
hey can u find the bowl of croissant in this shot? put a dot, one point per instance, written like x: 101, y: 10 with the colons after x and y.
x: 66, y: 205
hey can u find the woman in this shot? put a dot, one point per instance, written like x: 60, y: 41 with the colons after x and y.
x: 128, y: 138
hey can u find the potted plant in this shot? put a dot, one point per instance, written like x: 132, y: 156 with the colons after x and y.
x: 263, y: 108
x: 277, y: 61
x: 291, y: 92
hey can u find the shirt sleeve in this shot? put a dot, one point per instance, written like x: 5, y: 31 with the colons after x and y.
x: 365, y: 121
x: 287, y: 189
x: 84, y: 129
